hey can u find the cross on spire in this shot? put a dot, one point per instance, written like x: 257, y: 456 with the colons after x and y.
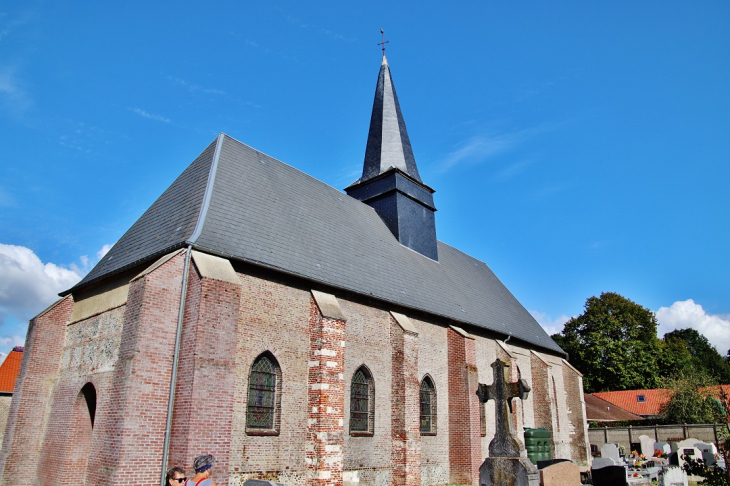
x: 382, y: 32
x: 502, y: 392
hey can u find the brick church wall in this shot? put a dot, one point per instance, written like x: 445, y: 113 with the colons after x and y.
x: 28, y: 416
x: 432, y: 361
x: 203, y: 414
x: 89, y: 356
x: 134, y: 427
x: 575, y: 405
x: 465, y: 454
x: 368, y: 459
x: 267, y: 308
x: 226, y: 327
x: 541, y: 394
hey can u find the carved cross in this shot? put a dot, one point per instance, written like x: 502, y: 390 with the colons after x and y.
x: 502, y: 392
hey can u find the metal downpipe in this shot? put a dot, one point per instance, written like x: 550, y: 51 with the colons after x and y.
x: 175, y: 358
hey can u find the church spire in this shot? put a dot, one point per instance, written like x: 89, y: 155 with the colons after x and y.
x: 388, y: 144
x: 390, y: 182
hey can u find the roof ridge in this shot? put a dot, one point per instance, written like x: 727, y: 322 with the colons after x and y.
x: 208, y: 191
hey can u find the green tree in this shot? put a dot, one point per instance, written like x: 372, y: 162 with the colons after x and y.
x: 704, y: 355
x: 692, y: 400
x: 674, y: 357
x: 613, y: 343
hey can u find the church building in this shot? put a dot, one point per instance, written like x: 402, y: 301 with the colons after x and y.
x: 298, y: 333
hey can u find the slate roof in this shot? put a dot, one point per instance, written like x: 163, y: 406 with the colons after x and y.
x: 237, y: 202
x: 388, y: 143
x: 599, y: 410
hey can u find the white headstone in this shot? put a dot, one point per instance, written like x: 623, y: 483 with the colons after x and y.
x: 704, y: 446
x: 673, y: 476
x: 647, y: 445
x: 684, y: 453
x: 687, y: 443
x: 611, y: 451
x: 663, y: 446
x: 599, y: 462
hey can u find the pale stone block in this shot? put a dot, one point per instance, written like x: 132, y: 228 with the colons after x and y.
x: 560, y: 474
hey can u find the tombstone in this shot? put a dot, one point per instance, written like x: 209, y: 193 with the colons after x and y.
x: 611, y: 450
x: 505, y: 465
x: 550, y: 462
x: 662, y: 446
x: 704, y: 446
x: 683, y: 444
x: 600, y: 462
x: 647, y: 445
x: 609, y: 476
x: 563, y: 473
x: 708, y: 457
x: 673, y: 476
x: 660, y: 461
x: 687, y: 452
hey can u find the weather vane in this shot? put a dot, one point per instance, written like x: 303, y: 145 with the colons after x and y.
x: 382, y: 32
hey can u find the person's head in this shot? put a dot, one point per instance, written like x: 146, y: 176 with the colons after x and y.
x: 202, y: 464
x: 175, y: 477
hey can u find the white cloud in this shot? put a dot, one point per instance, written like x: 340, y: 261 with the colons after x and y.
x: 151, y: 116
x: 688, y: 314
x: 104, y: 250
x: 551, y: 326
x: 13, y: 97
x: 28, y: 285
x: 489, y: 144
x: 194, y: 87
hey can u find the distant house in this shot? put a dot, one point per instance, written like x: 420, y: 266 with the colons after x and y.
x: 600, y: 410
x: 8, y: 373
x: 646, y: 403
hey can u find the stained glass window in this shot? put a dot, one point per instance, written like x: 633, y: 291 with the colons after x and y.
x: 360, y: 402
x: 428, y: 406
x: 261, y: 395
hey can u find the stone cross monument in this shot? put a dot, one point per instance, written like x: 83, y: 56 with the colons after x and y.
x: 505, y: 465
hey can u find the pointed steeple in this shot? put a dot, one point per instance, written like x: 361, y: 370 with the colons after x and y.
x: 388, y: 144
x: 390, y: 182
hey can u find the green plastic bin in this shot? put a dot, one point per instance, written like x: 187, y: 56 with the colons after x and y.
x: 537, y: 443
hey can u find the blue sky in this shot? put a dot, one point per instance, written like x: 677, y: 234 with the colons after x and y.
x: 575, y: 147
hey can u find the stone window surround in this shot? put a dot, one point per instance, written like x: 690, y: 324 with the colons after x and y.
x: 371, y: 404
x: 277, y: 397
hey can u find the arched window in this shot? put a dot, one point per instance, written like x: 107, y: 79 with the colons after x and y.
x: 428, y: 406
x: 362, y: 403
x: 263, y: 410
x: 89, y: 393
x: 81, y: 431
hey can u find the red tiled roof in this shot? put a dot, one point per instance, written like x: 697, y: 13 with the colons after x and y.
x: 653, y: 399
x: 629, y: 400
x: 599, y: 410
x: 9, y: 370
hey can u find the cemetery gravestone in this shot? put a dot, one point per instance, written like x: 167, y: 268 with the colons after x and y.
x: 686, y: 453
x: 673, y: 476
x: 505, y: 466
x: 611, y: 450
x: 663, y: 446
x: 647, y: 445
x: 560, y: 474
x: 599, y: 462
x: 609, y: 476
x: 703, y: 446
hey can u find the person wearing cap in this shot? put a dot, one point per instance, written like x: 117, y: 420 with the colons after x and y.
x: 202, y: 466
